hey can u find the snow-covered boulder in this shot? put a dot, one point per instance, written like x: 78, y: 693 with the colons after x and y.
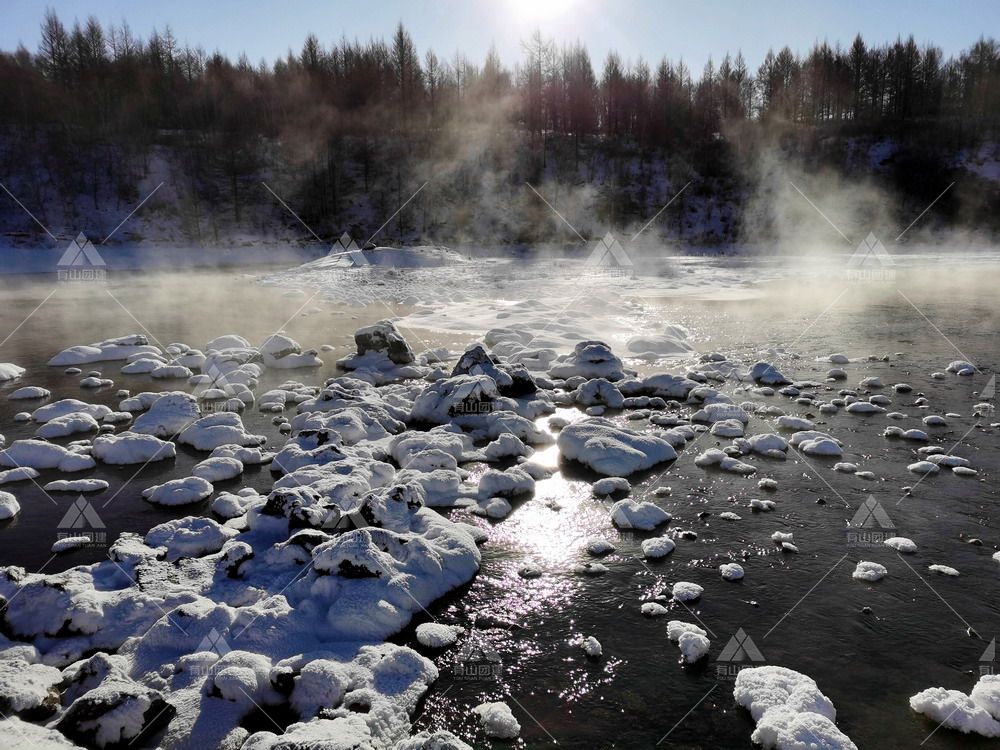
x: 9, y: 507
x: 131, y: 448
x: 192, y: 536
x: 383, y: 338
x: 611, y: 450
x: 497, y: 720
x: 31, y: 689
x: 29, y: 392
x: 9, y: 371
x: 38, y: 454
x: 120, y: 348
x: 218, y: 469
x: 223, y: 428
x: 789, y: 710
x: 67, y: 406
x: 168, y: 415
x: 184, y: 491
x: 955, y: 710
x: 114, y: 713
x: 765, y: 373
x: 69, y: 424
x: 512, y: 379
x: 590, y: 359
x: 461, y: 396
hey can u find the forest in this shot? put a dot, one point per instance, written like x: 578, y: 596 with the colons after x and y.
x: 336, y: 125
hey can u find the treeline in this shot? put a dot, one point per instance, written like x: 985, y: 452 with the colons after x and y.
x: 117, y: 79
x: 108, y: 89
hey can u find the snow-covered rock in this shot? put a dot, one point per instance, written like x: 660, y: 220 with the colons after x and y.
x: 685, y: 591
x: 869, y: 571
x: 9, y: 507
x: 955, y: 710
x: 790, y: 711
x: 184, y: 491
x: 590, y: 359
x: 192, y: 536
x: 38, y: 454
x: 631, y: 514
x: 29, y: 392
x: 611, y: 450
x: 497, y: 720
x: 218, y: 469
x: 131, y: 448
x: 731, y: 571
x: 437, y: 635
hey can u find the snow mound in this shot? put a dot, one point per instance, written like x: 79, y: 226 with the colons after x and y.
x: 954, y: 709
x: 590, y: 359
x: 436, y: 635
x: 37, y: 454
x: 497, y: 720
x: 131, y: 448
x: 790, y: 711
x: 178, y: 491
x: 869, y: 571
x: 120, y: 348
x: 611, y: 450
x: 632, y: 514
x: 192, y: 536
x: 9, y: 507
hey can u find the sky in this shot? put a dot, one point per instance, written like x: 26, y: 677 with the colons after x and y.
x: 651, y: 29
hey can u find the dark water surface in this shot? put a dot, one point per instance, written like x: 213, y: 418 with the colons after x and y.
x: 803, y: 611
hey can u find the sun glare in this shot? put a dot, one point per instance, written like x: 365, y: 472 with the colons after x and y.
x: 540, y: 10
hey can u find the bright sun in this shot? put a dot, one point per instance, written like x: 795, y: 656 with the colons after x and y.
x: 539, y: 10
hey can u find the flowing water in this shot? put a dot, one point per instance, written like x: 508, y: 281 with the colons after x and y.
x: 802, y: 611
